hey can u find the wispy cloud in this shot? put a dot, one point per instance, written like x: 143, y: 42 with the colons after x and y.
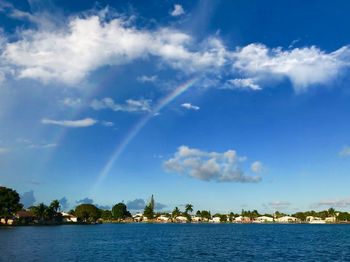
x: 278, y: 204
x: 130, y: 105
x: 345, y: 152
x: 145, y: 79
x: 72, y: 102
x: 257, y: 167
x: 333, y: 203
x: 178, y: 10
x: 70, y: 123
x: 242, y: 83
x: 209, y: 166
x: 107, y: 123
x: 189, y: 106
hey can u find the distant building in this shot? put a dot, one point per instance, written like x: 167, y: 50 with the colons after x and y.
x: 215, y: 220
x: 263, y: 219
x: 181, y: 219
x: 241, y: 219
x: 25, y: 217
x: 68, y: 218
x: 163, y: 218
x: 288, y: 219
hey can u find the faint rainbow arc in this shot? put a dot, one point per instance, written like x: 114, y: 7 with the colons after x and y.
x: 140, y: 124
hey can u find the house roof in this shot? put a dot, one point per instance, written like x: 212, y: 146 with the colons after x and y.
x: 24, y: 213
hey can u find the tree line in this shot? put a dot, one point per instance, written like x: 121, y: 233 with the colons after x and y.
x: 89, y: 213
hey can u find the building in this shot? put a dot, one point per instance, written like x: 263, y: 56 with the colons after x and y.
x: 68, y: 218
x: 163, y: 218
x: 25, y: 217
x: 288, y: 219
x: 263, y: 219
x: 215, y: 220
x: 181, y: 219
x: 241, y: 219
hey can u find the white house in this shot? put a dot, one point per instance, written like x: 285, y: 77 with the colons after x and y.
x: 137, y: 217
x: 330, y: 219
x: 287, y: 219
x: 241, y: 219
x: 163, y: 218
x: 215, y: 220
x: 68, y: 218
x: 196, y: 219
x: 263, y: 219
x: 181, y: 219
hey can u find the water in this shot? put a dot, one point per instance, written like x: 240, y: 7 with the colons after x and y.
x: 176, y: 242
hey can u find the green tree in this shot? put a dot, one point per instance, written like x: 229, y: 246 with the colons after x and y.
x: 40, y: 211
x: 9, y: 202
x: 176, y: 212
x: 149, y: 211
x: 198, y: 213
x: 223, y: 218
x: 331, y: 212
x: 119, y: 211
x: 55, y: 205
x: 152, y: 203
x: 87, y: 213
x: 231, y: 216
x: 188, y: 208
x: 106, y: 215
x: 205, y: 214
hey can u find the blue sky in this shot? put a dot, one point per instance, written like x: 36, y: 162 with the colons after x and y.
x: 223, y: 104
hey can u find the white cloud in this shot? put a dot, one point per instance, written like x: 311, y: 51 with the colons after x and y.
x: 345, y: 151
x: 209, y: 166
x: 64, y: 54
x: 244, y: 83
x: 257, y: 167
x: 189, y: 106
x: 144, y: 78
x: 178, y: 10
x: 302, y: 66
x: 70, y: 123
x: 131, y: 105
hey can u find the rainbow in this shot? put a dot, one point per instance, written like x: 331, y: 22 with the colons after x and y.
x: 140, y: 124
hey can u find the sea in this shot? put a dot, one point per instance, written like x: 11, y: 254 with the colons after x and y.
x: 176, y: 242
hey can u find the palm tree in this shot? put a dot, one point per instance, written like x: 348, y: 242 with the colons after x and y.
x: 40, y: 211
x: 55, y: 205
x: 176, y: 212
x: 188, y: 208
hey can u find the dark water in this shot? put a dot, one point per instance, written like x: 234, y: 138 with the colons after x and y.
x: 176, y: 242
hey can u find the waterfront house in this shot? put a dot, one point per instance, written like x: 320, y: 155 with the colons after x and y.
x: 287, y: 219
x: 137, y: 217
x: 25, y: 217
x: 196, y: 219
x: 241, y: 219
x: 181, y: 219
x: 263, y: 219
x: 163, y: 218
x: 215, y: 220
x: 330, y: 219
x: 68, y: 218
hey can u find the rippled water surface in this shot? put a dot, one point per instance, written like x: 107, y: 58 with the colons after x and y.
x: 176, y: 242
